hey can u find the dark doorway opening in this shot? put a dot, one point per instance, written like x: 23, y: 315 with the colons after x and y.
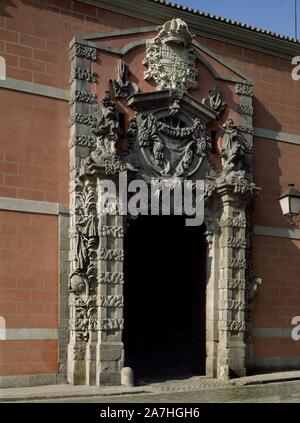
x: 164, y: 295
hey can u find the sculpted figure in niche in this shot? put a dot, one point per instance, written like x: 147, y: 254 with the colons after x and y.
x: 232, y: 152
x: 106, y: 127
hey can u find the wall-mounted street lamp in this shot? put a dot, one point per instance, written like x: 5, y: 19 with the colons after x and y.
x: 290, y: 204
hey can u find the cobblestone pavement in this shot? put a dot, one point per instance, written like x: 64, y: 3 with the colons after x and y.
x: 190, y: 383
x: 285, y: 392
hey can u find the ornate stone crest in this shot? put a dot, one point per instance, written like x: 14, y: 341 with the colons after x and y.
x: 170, y: 59
x: 172, y: 151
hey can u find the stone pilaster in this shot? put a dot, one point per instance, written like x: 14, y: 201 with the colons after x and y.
x: 212, y: 295
x: 232, y: 285
x: 110, y: 301
x: 81, y: 323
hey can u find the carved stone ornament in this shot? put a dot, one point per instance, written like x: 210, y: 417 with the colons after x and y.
x: 243, y: 89
x: 86, y: 235
x: 170, y: 59
x: 232, y: 152
x: 83, y: 74
x: 84, y: 141
x: 83, y: 97
x: 84, y: 51
x: 172, y: 150
x: 123, y: 88
x: 214, y: 100
x: 166, y: 133
x: 85, y: 318
x: 106, y: 128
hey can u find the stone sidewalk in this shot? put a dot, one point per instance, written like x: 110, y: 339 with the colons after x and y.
x: 194, y: 383
x: 65, y: 391
x: 266, y: 378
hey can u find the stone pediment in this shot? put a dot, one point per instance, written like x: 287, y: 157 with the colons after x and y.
x: 166, y: 100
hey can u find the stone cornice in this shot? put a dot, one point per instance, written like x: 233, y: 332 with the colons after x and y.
x: 205, y: 25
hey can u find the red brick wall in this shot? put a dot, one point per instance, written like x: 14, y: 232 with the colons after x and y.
x: 28, y: 357
x: 277, y: 260
x: 29, y: 289
x: 34, y: 165
x: 278, y: 299
x: 34, y: 147
x: 276, y: 95
x: 34, y: 39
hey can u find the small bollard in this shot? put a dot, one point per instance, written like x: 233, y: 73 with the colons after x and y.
x: 127, y: 376
x: 224, y: 373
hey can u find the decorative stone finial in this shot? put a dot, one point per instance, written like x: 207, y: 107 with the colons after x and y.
x: 175, y: 31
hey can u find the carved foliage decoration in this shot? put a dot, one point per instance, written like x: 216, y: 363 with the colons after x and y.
x: 83, y: 51
x: 214, y: 100
x: 243, y: 89
x: 87, y: 238
x: 171, y: 147
x: 83, y: 97
x: 114, y: 255
x: 170, y: 59
x: 84, y: 141
x: 112, y: 301
x: 82, y: 300
x: 113, y: 231
x: 245, y: 109
x: 82, y: 118
x: 83, y: 74
x: 123, y: 87
x: 113, y: 278
x: 85, y: 319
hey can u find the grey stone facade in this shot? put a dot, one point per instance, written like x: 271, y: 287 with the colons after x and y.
x: 96, y: 321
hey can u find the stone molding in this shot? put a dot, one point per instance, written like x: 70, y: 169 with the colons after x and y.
x: 33, y: 88
x: 32, y: 206
x: 23, y: 334
x: 218, y: 29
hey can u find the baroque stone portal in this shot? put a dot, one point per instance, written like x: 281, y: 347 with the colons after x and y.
x: 152, y: 133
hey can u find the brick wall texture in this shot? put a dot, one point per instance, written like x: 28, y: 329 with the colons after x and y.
x: 34, y: 40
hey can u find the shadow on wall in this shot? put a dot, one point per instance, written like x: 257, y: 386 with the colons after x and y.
x: 276, y: 260
x: 4, y: 5
x: 84, y: 12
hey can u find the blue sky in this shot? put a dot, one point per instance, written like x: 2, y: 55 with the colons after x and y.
x: 274, y: 15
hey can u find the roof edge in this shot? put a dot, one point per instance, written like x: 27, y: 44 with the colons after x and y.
x: 159, y: 11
